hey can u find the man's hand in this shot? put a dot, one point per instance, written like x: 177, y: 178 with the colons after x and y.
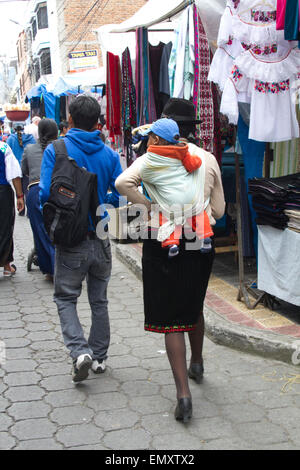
x: 20, y: 203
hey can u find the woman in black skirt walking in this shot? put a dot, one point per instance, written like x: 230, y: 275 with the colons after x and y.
x: 174, y: 289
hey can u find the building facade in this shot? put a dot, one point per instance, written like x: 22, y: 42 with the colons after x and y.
x: 60, y: 36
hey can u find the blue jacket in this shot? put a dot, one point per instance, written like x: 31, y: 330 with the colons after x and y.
x: 89, y: 152
x: 13, y: 142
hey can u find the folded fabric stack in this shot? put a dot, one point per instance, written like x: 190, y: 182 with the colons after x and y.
x: 277, y: 201
x: 294, y: 220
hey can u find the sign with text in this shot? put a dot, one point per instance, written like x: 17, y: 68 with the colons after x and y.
x: 83, y: 60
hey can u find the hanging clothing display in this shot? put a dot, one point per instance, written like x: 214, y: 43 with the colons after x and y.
x: 251, y: 29
x: 280, y: 14
x: 164, y: 83
x: 155, y: 55
x: 113, y: 92
x: 128, y: 93
x: 291, y: 22
x: 144, y: 86
x: 269, y: 85
x: 202, y: 96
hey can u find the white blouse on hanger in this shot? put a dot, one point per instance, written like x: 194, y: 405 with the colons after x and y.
x: 270, y: 86
x: 255, y: 30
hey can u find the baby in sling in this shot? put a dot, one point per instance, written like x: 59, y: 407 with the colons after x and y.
x: 174, y: 179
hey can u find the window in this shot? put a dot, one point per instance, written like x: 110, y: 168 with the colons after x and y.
x: 45, y: 61
x: 42, y: 17
x: 34, y: 29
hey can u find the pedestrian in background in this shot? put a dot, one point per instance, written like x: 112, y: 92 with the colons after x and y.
x: 18, y: 141
x: 175, y: 288
x: 63, y: 128
x: 10, y: 172
x: 33, y: 127
x: 91, y: 259
x: 31, y: 168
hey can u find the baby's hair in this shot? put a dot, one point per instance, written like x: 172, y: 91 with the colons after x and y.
x: 164, y: 141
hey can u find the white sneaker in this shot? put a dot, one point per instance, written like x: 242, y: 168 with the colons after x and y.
x: 82, y: 366
x: 98, y: 367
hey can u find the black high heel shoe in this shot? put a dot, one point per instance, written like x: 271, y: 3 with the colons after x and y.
x: 184, y: 410
x: 196, y: 372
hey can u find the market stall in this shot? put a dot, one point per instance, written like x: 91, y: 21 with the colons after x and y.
x: 236, y: 63
x: 51, y: 98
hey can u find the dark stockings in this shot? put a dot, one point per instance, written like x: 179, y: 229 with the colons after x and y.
x: 196, y: 341
x: 176, y: 350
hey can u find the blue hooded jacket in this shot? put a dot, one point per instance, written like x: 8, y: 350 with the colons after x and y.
x: 13, y: 142
x: 89, y: 152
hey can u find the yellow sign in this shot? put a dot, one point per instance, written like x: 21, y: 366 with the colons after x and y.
x: 83, y: 60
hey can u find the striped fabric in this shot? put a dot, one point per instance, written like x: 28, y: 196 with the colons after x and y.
x: 286, y: 157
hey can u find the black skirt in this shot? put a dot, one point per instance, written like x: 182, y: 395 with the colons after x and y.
x: 7, y: 221
x: 174, y: 289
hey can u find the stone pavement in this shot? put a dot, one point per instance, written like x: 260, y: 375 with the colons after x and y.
x: 245, y: 401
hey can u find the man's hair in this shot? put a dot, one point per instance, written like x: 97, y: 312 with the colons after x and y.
x: 85, y: 112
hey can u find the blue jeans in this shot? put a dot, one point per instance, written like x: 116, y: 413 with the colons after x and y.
x: 91, y: 259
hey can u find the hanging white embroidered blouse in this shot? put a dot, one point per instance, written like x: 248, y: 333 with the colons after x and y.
x: 255, y: 31
x: 270, y: 86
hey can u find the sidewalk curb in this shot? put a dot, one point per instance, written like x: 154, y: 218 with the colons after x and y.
x: 222, y: 331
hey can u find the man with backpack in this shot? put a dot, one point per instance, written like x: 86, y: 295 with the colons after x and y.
x: 91, y: 257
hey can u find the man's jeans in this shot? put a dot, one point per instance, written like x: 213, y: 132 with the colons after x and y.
x: 91, y: 259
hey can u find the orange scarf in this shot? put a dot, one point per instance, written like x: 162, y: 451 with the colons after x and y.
x: 179, y: 152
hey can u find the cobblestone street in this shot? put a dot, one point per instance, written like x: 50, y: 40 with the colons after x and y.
x: 245, y: 401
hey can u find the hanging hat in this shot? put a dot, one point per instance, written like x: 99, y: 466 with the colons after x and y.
x: 181, y: 110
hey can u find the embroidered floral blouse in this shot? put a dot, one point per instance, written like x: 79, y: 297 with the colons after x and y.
x: 270, y: 86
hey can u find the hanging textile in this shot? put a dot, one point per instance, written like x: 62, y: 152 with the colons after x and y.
x: 144, y: 86
x: 113, y: 86
x: 253, y: 30
x: 269, y: 86
x: 217, y: 150
x: 164, y: 83
x: 173, y: 58
x: 280, y: 14
x: 155, y: 56
x: 291, y: 23
x: 189, y: 59
x: 128, y: 93
x: 202, y: 96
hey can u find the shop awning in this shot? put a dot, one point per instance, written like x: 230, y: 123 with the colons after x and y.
x: 73, y: 83
x: 159, y: 17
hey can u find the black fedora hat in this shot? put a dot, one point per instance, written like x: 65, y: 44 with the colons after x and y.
x: 181, y: 110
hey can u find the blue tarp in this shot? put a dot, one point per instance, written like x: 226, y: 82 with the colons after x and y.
x: 49, y: 99
x: 62, y: 88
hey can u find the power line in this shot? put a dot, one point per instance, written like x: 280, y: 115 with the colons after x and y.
x: 80, y: 22
x: 84, y: 32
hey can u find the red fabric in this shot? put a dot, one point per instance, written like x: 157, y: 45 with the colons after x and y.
x: 114, y: 101
x: 280, y: 15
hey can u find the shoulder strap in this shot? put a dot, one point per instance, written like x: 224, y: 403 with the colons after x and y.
x: 60, y: 149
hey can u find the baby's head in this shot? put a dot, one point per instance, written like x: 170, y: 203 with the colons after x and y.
x: 163, y: 132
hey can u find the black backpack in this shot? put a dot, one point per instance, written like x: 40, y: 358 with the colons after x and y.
x: 73, y: 200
